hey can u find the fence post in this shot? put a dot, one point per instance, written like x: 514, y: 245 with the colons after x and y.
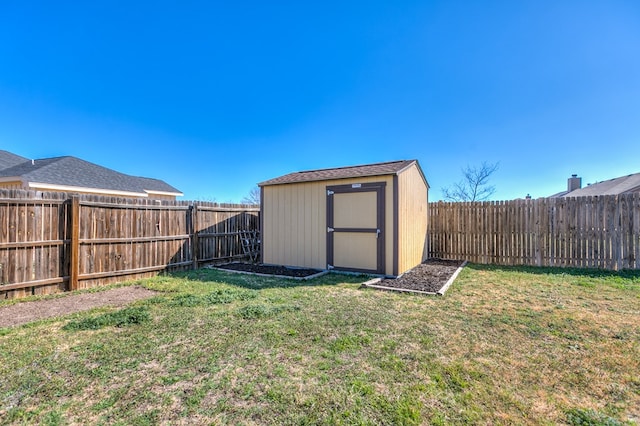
x: 194, y: 235
x: 75, y: 244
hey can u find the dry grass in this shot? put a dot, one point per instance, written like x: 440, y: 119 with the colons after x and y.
x: 504, y: 346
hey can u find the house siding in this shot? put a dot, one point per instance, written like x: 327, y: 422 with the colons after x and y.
x: 88, y: 191
x: 11, y: 185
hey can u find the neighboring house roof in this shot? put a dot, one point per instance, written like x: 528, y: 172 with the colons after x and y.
x: 73, y: 174
x: 8, y: 159
x: 158, y: 186
x: 620, y: 185
x: 377, y: 169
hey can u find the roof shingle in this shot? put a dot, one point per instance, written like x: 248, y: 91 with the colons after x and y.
x: 620, y: 185
x: 74, y: 172
x: 9, y: 159
x: 377, y: 169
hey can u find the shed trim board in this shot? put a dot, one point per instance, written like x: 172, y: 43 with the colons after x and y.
x: 262, y: 224
x: 379, y: 230
x: 396, y: 225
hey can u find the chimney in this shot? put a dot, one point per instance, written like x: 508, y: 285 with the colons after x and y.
x: 573, y: 183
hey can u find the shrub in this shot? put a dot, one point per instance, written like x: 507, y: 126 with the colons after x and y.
x: 262, y: 311
x: 216, y: 297
x: 188, y: 300
x: 582, y: 417
x: 122, y: 318
x: 228, y: 296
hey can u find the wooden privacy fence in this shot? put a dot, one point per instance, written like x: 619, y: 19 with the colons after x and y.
x: 50, y: 242
x: 592, y: 232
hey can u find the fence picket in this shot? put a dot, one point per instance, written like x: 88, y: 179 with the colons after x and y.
x: 636, y: 231
x: 49, y: 243
x: 596, y: 232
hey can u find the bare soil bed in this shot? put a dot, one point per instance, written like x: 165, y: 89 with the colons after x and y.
x: 25, y: 312
x: 269, y: 269
x: 430, y: 276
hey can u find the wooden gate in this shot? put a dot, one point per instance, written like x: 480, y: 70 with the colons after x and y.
x: 355, y: 227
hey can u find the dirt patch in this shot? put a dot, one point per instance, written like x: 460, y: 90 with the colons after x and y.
x: 269, y: 269
x: 25, y: 312
x: 430, y: 276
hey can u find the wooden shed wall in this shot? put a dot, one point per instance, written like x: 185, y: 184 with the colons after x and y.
x: 294, y: 222
x: 412, y: 219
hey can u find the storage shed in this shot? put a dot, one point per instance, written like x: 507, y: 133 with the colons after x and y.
x: 370, y: 218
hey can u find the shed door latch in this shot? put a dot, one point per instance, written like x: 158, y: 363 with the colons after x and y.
x: 329, y: 229
x: 377, y: 233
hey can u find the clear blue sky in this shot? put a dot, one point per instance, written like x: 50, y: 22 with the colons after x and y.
x: 213, y: 97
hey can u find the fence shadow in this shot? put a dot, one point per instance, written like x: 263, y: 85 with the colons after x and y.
x: 632, y: 274
x: 219, y: 242
x: 255, y: 282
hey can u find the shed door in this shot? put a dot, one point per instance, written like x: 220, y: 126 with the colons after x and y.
x: 355, y: 227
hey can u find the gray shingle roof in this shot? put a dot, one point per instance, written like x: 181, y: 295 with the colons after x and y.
x: 378, y: 169
x: 72, y: 171
x: 9, y: 159
x: 620, y: 185
x: 151, y: 184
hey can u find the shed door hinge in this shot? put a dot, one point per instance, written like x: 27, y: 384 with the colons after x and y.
x: 329, y: 267
x: 329, y: 229
x: 329, y: 192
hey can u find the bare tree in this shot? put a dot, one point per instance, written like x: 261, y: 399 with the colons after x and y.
x: 253, y: 197
x: 475, y: 184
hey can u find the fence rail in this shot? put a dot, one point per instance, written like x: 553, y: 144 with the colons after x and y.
x: 593, y: 232
x: 51, y: 242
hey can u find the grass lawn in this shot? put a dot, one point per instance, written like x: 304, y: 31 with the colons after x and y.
x: 503, y: 346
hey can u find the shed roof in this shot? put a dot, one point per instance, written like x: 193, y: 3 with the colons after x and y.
x: 377, y: 169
